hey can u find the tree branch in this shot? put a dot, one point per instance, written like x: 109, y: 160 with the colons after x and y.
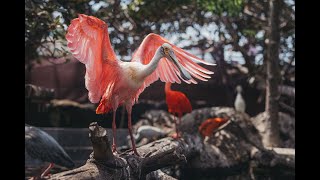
x: 157, y: 161
x: 224, y: 149
x: 103, y: 164
x: 101, y: 146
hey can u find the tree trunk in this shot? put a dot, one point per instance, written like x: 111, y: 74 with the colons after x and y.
x: 273, y: 73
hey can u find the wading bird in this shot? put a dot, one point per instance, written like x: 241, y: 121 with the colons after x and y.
x: 211, y: 125
x: 178, y: 104
x: 150, y: 132
x: 114, y: 82
x: 41, y: 146
x: 239, y: 103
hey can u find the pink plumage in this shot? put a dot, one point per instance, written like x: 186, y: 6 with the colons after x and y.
x: 113, y: 82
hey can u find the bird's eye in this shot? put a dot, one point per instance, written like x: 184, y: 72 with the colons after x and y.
x: 166, y: 50
x: 162, y: 50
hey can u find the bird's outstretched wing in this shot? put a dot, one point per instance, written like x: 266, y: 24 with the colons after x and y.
x: 88, y: 40
x: 166, y: 70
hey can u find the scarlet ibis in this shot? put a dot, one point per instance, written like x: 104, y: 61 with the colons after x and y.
x: 209, y: 126
x: 178, y: 104
x: 113, y: 82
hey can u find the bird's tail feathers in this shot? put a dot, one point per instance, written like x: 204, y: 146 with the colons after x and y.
x: 104, y: 106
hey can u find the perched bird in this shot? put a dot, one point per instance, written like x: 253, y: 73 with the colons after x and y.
x: 212, y: 125
x: 113, y: 82
x: 239, y: 103
x: 149, y: 132
x: 41, y: 146
x: 178, y: 104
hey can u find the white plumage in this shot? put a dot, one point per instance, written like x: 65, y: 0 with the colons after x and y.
x: 149, y: 132
x: 239, y: 103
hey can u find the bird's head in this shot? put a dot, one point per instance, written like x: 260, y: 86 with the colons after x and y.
x: 167, y: 51
x: 239, y: 89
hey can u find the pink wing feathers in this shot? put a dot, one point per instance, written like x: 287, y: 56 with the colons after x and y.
x: 166, y: 70
x: 88, y: 40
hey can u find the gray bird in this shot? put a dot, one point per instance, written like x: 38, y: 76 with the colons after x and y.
x: 39, y: 145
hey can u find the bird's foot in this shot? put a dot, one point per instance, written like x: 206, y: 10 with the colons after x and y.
x: 176, y: 136
x: 114, y: 149
x: 42, y: 177
x: 136, y: 152
x: 36, y: 178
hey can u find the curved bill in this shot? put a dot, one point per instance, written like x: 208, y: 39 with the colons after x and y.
x: 184, y: 74
x: 222, y: 126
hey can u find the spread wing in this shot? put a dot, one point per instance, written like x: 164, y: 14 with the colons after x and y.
x: 88, y: 41
x: 166, y: 70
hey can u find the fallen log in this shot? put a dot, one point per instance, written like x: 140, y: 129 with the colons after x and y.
x: 103, y: 164
x: 236, y: 144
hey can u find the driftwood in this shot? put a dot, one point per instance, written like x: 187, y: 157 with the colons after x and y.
x: 38, y: 93
x: 63, y: 103
x: 103, y: 164
x: 236, y: 144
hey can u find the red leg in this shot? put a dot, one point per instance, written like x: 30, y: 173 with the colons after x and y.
x: 176, y: 123
x: 45, y: 172
x: 176, y: 135
x: 179, y: 125
x: 129, y: 109
x: 114, y: 128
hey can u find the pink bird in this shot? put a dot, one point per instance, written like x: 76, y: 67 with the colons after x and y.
x: 113, y: 82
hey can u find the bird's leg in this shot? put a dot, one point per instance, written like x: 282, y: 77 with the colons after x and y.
x: 176, y: 135
x: 45, y: 172
x: 176, y: 125
x: 129, y: 109
x: 179, y: 117
x: 114, y: 128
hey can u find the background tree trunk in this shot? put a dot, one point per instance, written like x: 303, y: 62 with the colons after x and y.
x: 273, y: 72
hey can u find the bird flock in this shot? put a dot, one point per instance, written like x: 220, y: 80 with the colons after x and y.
x: 111, y: 83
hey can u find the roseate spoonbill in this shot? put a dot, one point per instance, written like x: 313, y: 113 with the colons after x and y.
x: 114, y: 82
x: 41, y: 146
x: 178, y: 104
x: 212, y: 125
x: 239, y: 103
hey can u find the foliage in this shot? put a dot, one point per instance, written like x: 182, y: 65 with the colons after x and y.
x: 230, y: 7
x: 211, y: 26
x: 45, y: 27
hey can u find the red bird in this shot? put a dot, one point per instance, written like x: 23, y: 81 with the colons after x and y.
x: 112, y: 82
x: 178, y: 104
x: 211, y: 125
